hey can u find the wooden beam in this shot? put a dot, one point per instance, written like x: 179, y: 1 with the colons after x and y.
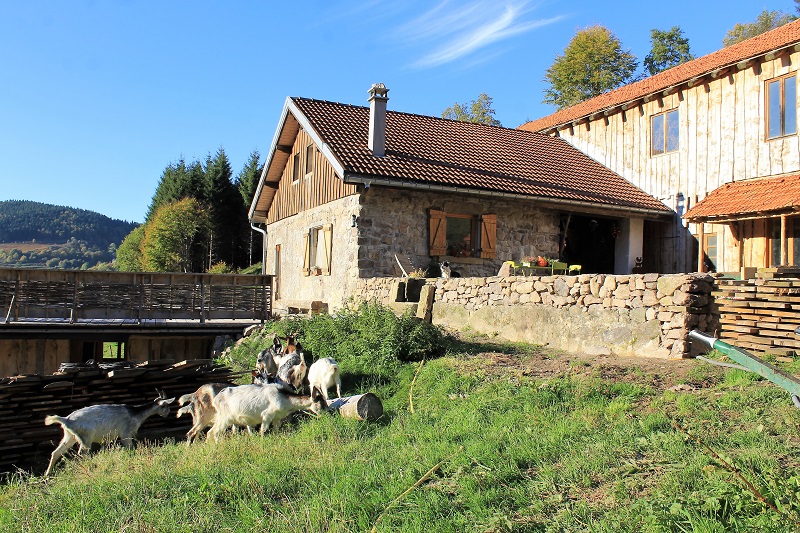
x: 284, y: 148
x: 784, y: 260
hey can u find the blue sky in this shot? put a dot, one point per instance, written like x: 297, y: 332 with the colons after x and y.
x: 97, y: 97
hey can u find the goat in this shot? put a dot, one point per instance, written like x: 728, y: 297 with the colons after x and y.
x: 292, y: 371
x: 269, y: 361
x: 200, y: 407
x: 324, y: 374
x: 248, y: 405
x: 97, y: 423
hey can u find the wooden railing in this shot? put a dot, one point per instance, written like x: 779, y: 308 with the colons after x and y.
x: 75, y: 295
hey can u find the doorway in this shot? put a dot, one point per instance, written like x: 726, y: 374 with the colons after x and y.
x: 590, y: 242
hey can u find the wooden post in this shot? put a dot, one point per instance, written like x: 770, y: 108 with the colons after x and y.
x: 701, y: 256
x: 784, y: 259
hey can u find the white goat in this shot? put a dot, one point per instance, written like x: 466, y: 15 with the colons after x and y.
x: 324, y: 374
x: 200, y: 407
x: 248, y: 405
x: 98, y: 423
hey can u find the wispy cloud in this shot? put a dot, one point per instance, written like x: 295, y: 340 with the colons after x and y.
x: 455, y: 30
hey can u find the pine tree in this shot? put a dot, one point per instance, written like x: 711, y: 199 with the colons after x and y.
x: 247, y: 182
x: 227, y: 213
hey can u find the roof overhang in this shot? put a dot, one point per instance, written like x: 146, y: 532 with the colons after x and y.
x: 558, y: 203
x: 289, y: 125
x: 759, y: 198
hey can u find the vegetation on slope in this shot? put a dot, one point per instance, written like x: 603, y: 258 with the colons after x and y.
x: 502, y: 437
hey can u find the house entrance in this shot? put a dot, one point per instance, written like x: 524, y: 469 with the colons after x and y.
x: 590, y: 243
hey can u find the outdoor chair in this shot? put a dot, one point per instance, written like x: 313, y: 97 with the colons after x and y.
x: 559, y: 268
x: 575, y: 269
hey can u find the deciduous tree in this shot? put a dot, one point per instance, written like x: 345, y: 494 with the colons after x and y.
x: 479, y: 111
x: 174, y: 236
x: 668, y: 49
x: 767, y: 20
x: 592, y: 63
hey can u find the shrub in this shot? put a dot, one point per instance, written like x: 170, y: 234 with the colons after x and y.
x: 369, y: 339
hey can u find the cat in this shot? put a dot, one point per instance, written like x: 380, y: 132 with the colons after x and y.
x: 448, y: 272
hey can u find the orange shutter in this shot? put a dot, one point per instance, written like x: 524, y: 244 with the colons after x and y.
x: 327, y: 235
x: 488, y: 236
x: 437, y: 245
x: 306, y: 254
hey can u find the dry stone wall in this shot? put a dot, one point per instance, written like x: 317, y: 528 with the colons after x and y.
x: 637, y: 314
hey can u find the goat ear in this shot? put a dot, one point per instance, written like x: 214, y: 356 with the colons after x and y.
x: 165, y: 401
x: 161, y: 395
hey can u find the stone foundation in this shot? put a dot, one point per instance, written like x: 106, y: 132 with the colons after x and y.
x: 634, y: 315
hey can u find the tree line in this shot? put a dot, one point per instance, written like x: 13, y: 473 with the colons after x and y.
x: 595, y: 62
x: 197, y: 220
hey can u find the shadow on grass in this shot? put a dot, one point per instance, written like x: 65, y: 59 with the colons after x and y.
x: 475, y: 344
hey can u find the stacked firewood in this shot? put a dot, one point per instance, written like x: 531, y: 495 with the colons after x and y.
x: 761, y: 314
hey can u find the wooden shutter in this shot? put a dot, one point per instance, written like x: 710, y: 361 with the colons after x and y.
x: 437, y: 245
x: 488, y: 236
x: 307, y: 253
x: 327, y: 235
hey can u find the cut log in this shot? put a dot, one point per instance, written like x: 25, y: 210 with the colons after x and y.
x: 361, y: 407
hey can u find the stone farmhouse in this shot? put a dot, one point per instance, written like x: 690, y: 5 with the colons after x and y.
x: 348, y: 190
x: 716, y: 140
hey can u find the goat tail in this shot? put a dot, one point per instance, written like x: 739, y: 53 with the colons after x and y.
x: 52, y: 419
x: 186, y: 398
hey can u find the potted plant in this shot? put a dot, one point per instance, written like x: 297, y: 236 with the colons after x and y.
x: 542, y: 261
x: 528, y: 261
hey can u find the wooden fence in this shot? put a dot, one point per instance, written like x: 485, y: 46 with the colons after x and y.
x: 75, y: 295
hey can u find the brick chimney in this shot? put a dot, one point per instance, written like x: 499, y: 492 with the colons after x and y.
x: 377, y: 119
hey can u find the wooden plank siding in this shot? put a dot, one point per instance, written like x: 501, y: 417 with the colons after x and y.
x: 722, y: 123
x: 306, y: 192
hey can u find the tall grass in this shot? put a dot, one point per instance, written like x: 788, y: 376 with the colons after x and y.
x: 574, y: 452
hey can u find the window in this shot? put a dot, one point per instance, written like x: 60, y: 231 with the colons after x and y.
x: 782, y: 107
x: 296, y: 167
x: 711, y: 252
x: 309, y: 159
x: 460, y: 235
x: 664, y: 132
x: 317, y: 257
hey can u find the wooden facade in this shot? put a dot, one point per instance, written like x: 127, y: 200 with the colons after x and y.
x: 308, y: 181
x: 722, y: 137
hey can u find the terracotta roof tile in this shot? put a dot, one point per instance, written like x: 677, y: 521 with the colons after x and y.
x: 748, y: 197
x: 430, y: 150
x: 755, y: 46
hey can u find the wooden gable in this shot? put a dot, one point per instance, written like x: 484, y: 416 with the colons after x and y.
x: 308, y: 180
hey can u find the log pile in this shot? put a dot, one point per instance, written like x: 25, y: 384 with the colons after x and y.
x: 761, y: 314
x: 26, y: 443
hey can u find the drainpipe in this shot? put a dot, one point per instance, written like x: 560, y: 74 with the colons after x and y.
x: 263, y: 248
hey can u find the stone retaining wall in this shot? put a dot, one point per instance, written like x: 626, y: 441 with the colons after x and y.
x: 637, y: 314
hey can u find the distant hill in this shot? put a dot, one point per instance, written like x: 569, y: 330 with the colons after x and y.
x: 33, y: 234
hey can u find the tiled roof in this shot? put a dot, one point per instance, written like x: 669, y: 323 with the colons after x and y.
x: 440, y: 152
x: 731, y: 55
x: 749, y: 197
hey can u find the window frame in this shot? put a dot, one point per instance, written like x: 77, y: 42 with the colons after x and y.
x: 310, y: 160
x: 664, y: 118
x: 781, y: 80
x: 483, y: 229
x: 311, y: 243
x: 296, y: 168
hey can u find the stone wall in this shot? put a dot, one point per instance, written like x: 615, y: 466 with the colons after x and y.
x: 634, y: 315
x: 395, y: 221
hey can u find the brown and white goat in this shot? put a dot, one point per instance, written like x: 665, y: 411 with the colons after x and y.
x: 200, y: 407
x: 248, y: 405
x: 99, y: 423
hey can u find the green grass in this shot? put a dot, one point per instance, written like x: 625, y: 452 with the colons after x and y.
x: 574, y: 452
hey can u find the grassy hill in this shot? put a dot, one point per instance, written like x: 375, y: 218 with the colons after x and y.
x: 37, y: 235
x: 491, y: 437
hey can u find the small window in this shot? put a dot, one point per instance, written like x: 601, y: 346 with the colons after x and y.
x: 664, y: 133
x: 310, y: 151
x: 462, y: 238
x: 296, y: 167
x: 782, y: 107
